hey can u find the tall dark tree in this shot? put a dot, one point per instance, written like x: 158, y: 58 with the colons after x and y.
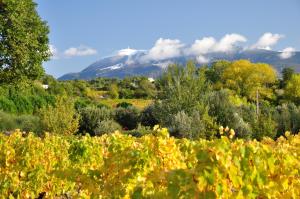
x: 23, y: 41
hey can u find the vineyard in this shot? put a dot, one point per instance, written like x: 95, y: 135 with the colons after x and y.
x: 152, y: 166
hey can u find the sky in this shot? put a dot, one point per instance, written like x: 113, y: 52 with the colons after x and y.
x: 84, y: 31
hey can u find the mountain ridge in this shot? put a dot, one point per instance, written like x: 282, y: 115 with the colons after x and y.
x: 132, y: 63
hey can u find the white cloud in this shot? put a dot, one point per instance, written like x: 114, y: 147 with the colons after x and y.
x: 163, y: 65
x: 164, y: 49
x: 54, y: 52
x: 80, y: 51
x: 209, y: 44
x: 202, y: 46
x: 267, y: 40
x: 201, y: 59
x: 228, y: 42
x: 287, y: 53
x: 127, y: 52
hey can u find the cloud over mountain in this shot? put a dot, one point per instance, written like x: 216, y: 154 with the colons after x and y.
x: 267, y: 40
x: 164, y: 49
x: 79, y: 51
x: 287, y: 53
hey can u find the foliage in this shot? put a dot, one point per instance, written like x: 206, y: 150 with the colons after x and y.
x: 287, y: 74
x: 192, y: 126
x: 147, y: 116
x: 128, y: 118
x: 113, y: 91
x: 292, y: 89
x: 91, y: 118
x: 121, y: 166
x: 183, y: 89
x: 61, y: 119
x: 7, y: 105
x: 28, y: 123
x: 248, y: 78
x: 287, y: 118
x: 107, y: 126
x: 124, y: 104
x: 23, y: 43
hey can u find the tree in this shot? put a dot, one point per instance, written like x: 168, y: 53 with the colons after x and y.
x: 61, y: 119
x: 183, y: 96
x: 287, y: 74
x: 113, y: 91
x: 292, y: 89
x: 23, y: 41
x: 247, y: 78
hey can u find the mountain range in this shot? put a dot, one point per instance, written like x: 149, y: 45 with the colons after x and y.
x: 129, y: 62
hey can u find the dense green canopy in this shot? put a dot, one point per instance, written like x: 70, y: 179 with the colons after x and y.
x: 23, y: 41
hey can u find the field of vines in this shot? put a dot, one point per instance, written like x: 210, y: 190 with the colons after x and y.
x: 152, y: 166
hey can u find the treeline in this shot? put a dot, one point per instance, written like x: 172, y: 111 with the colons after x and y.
x: 191, y: 102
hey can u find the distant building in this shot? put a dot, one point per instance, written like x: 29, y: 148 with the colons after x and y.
x: 151, y: 79
x: 45, y: 86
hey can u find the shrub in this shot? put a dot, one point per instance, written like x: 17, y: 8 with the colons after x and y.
x: 91, y: 117
x: 107, y: 126
x: 7, y: 122
x: 113, y: 91
x: 148, y: 117
x: 288, y: 118
x: 60, y: 119
x: 37, y: 102
x: 28, y: 123
x: 128, y: 118
x: 192, y: 126
x: 80, y: 104
x: 7, y: 105
x: 22, y: 103
x: 140, y: 131
x: 124, y: 104
x: 101, y: 105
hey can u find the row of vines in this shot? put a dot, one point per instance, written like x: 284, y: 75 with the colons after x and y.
x: 152, y: 166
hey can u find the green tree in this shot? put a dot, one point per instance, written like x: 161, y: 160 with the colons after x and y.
x: 23, y: 41
x: 184, y: 90
x: 292, y: 89
x: 287, y: 74
x: 61, y: 119
x: 113, y: 91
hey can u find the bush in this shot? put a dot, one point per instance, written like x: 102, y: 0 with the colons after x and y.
x: 28, y: 123
x: 80, y: 104
x: 148, y: 117
x: 128, y: 118
x: 7, y: 105
x: 192, y: 126
x: 7, y: 122
x: 288, y: 118
x: 22, y: 103
x: 60, y: 119
x: 107, y: 126
x: 124, y: 104
x: 91, y: 117
x: 140, y: 131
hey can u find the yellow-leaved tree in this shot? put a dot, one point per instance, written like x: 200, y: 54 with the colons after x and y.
x: 249, y: 79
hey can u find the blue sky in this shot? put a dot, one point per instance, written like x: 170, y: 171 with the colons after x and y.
x: 83, y: 31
